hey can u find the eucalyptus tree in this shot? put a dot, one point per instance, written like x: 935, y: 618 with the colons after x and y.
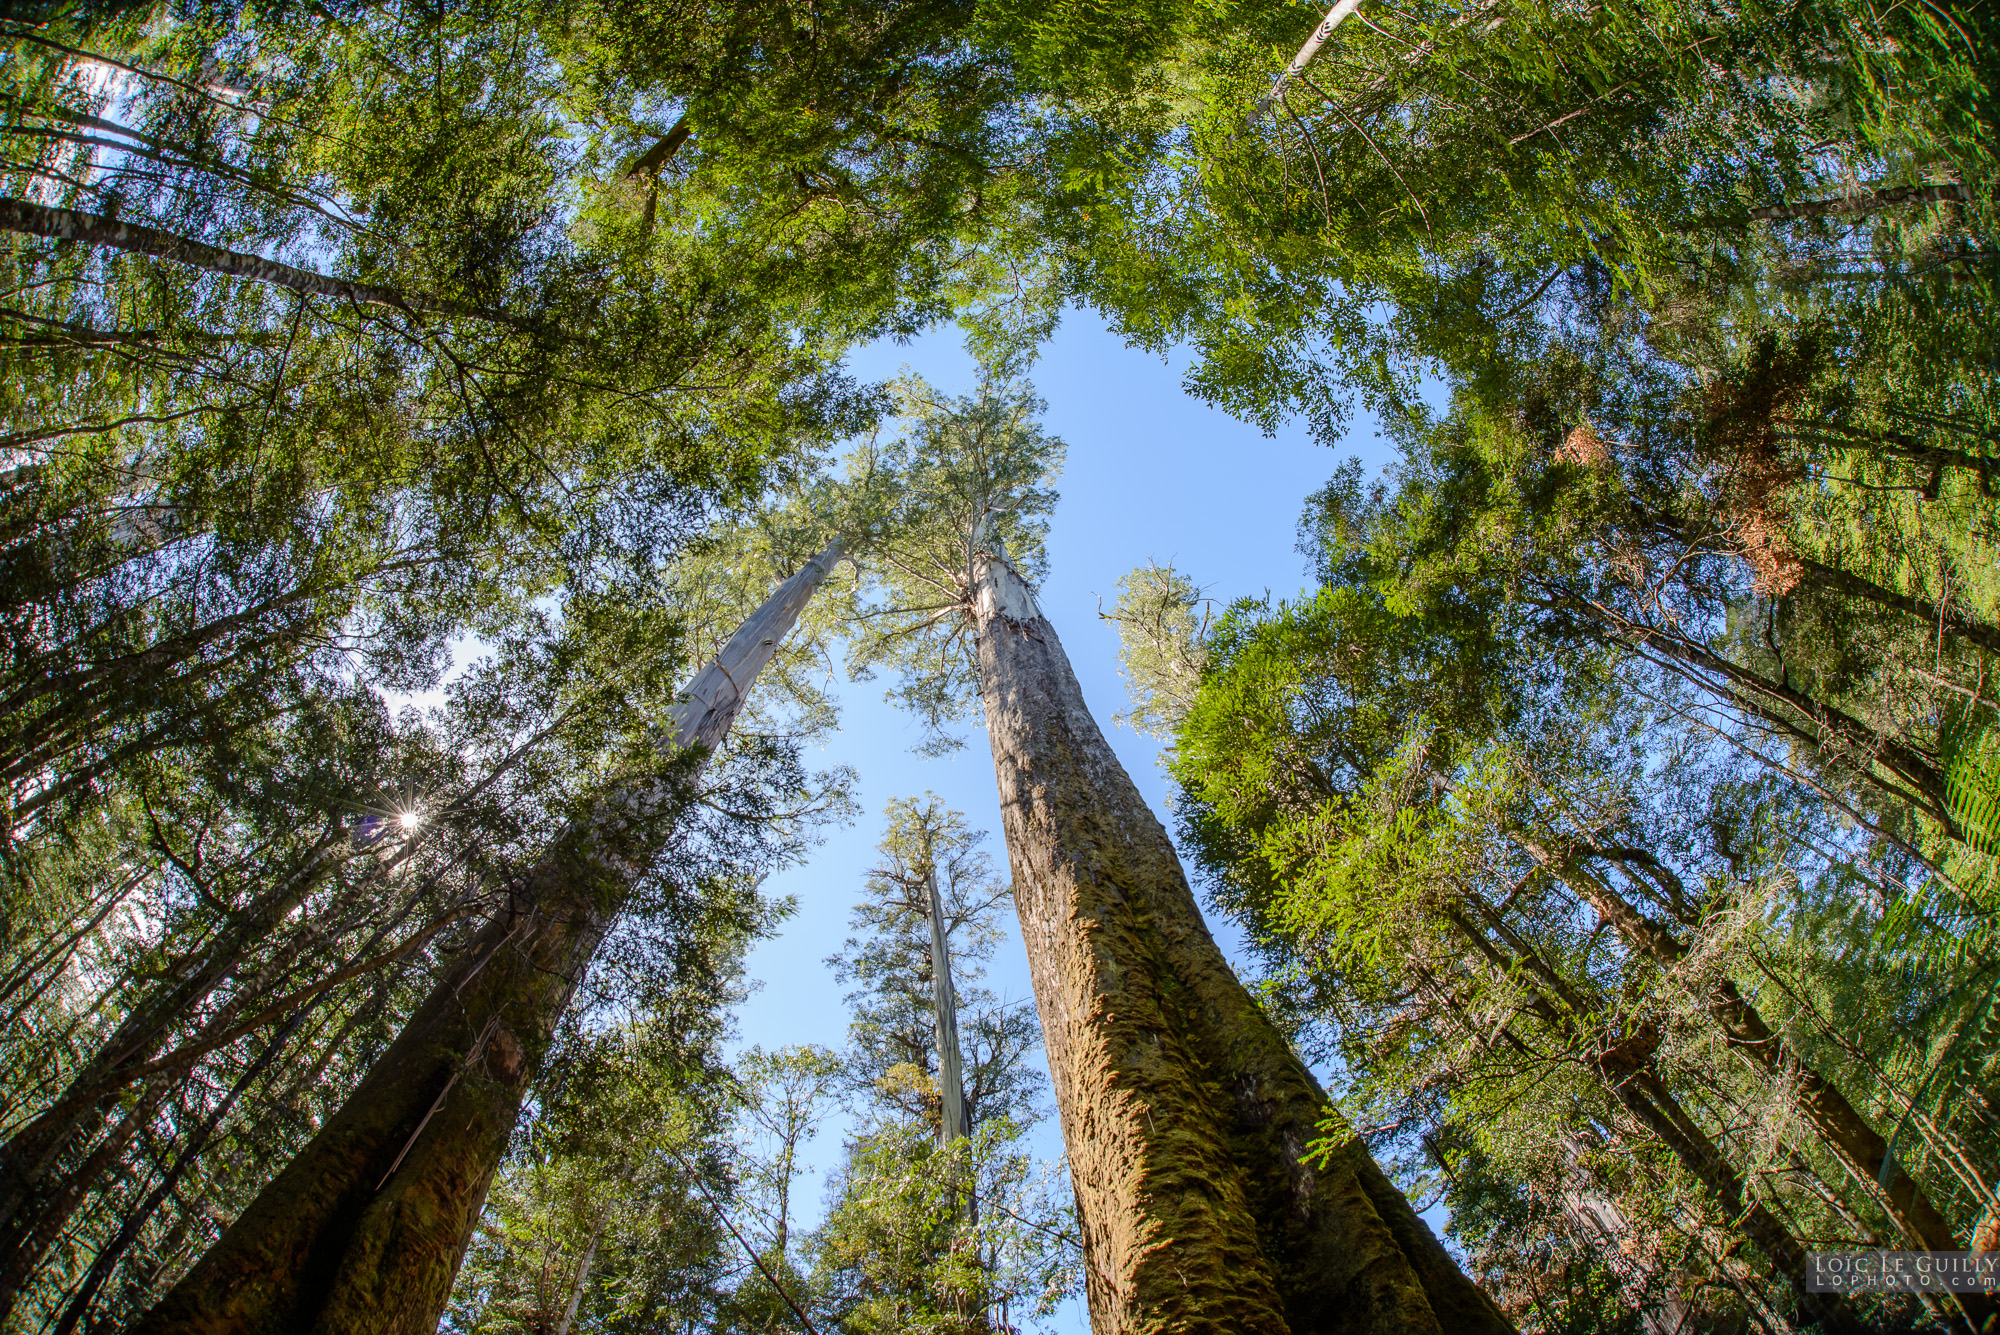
x: 367, y: 1223
x: 315, y: 385
x: 532, y: 731
x: 1186, y: 1116
x: 1406, y: 780
x: 938, y: 1216
x: 898, y: 1250
x: 604, y: 1216
x: 927, y: 925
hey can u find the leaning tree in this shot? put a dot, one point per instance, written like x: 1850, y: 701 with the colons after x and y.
x: 364, y: 1228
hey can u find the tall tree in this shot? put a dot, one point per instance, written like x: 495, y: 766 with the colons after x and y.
x: 1372, y: 767
x: 366, y: 1225
x: 934, y: 1224
x: 1187, y: 1118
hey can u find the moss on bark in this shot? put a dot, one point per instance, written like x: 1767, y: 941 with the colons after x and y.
x: 1185, y: 1113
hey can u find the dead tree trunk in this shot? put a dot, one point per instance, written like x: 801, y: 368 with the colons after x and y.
x: 364, y: 1228
x: 944, y: 1007
x: 1186, y: 1115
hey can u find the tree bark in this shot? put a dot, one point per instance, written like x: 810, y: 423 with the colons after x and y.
x: 1186, y: 1116
x: 363, y: 1230
x: 1838, y: 1124
x: 1307, y: 53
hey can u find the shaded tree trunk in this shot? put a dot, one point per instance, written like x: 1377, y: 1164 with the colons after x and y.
x: 1856, y: 204
x: 31, y: 219
x: 1627, y: 1069
x: 1186, y: 1116
x: 363, y: 1230
x: 32, y: 1191
x: 1948, y: 620
x: 1839, y: 1125
x: 1828, y: 730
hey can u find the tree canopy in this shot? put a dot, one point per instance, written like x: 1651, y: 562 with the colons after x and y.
x: 412, y: 414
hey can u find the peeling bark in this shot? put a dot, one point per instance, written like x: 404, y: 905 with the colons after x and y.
x: 1186, y: 1115
x: 363, y: 1230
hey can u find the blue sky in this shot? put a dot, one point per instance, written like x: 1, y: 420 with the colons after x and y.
x: 1152, y: 474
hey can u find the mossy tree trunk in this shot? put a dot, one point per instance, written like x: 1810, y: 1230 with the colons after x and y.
x: 1186, y: 1115
x: 363, y: 1230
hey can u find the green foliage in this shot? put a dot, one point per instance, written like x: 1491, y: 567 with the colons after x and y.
x: 1161, y: 645
x: 1622, y: 645
x: 898, y: 1254
x: 892, y: 1059
x: 922, y: 1234
x: 968, y: 473
x: 1971, y: 763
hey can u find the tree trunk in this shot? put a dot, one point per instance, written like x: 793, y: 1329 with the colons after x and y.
x: 20, y: 215
x: 1186, y: 1116
x: 33, y: 1153
x: 108, y: 1256
x: 1858, y: 204
x: 1628, y: 1071
x: 1307, y: 53
x: 1597, y: 1220
x: 1949, y: 620
x: 1819, y: 725
x: 1839, y: 1125
x: 1648, y: 1099
x: 364, y: 1228
x: 944, y: 1010
x: 582, y: 1278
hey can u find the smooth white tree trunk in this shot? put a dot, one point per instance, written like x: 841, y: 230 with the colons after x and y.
x: 944, y: 1006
